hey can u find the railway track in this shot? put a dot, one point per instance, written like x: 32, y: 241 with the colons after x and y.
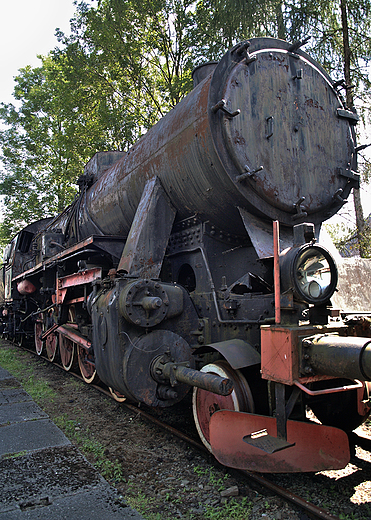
x: 313, y: 511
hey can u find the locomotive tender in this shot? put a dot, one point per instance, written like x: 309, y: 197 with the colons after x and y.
x: 169, y: 270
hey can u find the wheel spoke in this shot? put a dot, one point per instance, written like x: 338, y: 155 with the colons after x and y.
x: 39, y: 328
x: 87, y: 367
x: 67, y: 352
x: 51, y: 345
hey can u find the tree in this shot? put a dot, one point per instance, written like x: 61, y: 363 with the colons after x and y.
x: 48, y: 138
x: 37, y: 171
x: 126, y: 63
x: 340, y: 39
x: 139, y: 51
x: 348, y: 35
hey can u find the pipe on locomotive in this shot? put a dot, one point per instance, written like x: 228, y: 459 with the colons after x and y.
x: 162, y: 370
x: 340, y: 357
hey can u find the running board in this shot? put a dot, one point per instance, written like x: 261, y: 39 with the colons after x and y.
x: 314, y: 447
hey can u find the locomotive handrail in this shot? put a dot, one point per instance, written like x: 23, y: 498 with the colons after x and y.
x: 336, y: 389
x: 277, y: 283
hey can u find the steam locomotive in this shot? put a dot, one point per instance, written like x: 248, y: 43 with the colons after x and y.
x: 193, y: 261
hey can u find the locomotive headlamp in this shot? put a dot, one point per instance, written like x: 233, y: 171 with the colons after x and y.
x: 310, y: 271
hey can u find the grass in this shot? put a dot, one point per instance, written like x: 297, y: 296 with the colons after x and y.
x: 14, y: 455
x: 13, y: 362
x: 16, y: 363
x: 139, y: 501
x: 110, y: 470
x: 214, y: 480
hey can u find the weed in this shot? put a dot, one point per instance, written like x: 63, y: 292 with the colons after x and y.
x: 108, y: 469
x: 75, y: 383
x: 199, y: 471
x: 38, y: 389
x: 343, y: 516
x: 15, y: 362
x: 214, y: 480
x: 232, y: 510
x: 142, y: 504
x: 94, y: 447
x: 67, y: 425
x: 10, y: 359
x: 14, y: 455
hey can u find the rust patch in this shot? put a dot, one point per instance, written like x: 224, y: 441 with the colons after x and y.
x: 238, y: 139
x: 313, y: 104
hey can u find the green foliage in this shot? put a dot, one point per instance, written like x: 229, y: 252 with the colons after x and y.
x: 141, y: 503
x: 38, y: 389
x: 352, y: 516
x: 68, y: 426
x: 136, y: 59
x: 39, y: 156
x: 108, y: 469
x: 347, y: 240
x: 214, y: 479
x: 11, y: 360
x: 14, y: 455
x: 123, y: 66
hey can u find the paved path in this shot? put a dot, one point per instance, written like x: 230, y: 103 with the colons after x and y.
x: 42, y: 476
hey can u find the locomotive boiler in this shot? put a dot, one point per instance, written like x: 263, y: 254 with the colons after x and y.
x: 193, y: 261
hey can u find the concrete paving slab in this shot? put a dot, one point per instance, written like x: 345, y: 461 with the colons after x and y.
x: 30, y: 435
x: 52, y: 472
x: 42, y: 476
x: 60, y: 484
x: 13, y: 395
x: 95, y: 505
x: 4, y: 374
x: 18, y: 412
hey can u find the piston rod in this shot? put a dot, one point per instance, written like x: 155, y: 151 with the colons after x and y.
x: 179, y: 373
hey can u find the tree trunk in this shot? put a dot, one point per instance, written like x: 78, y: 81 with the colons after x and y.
x: 281, y: 31
x: 360, y: 222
